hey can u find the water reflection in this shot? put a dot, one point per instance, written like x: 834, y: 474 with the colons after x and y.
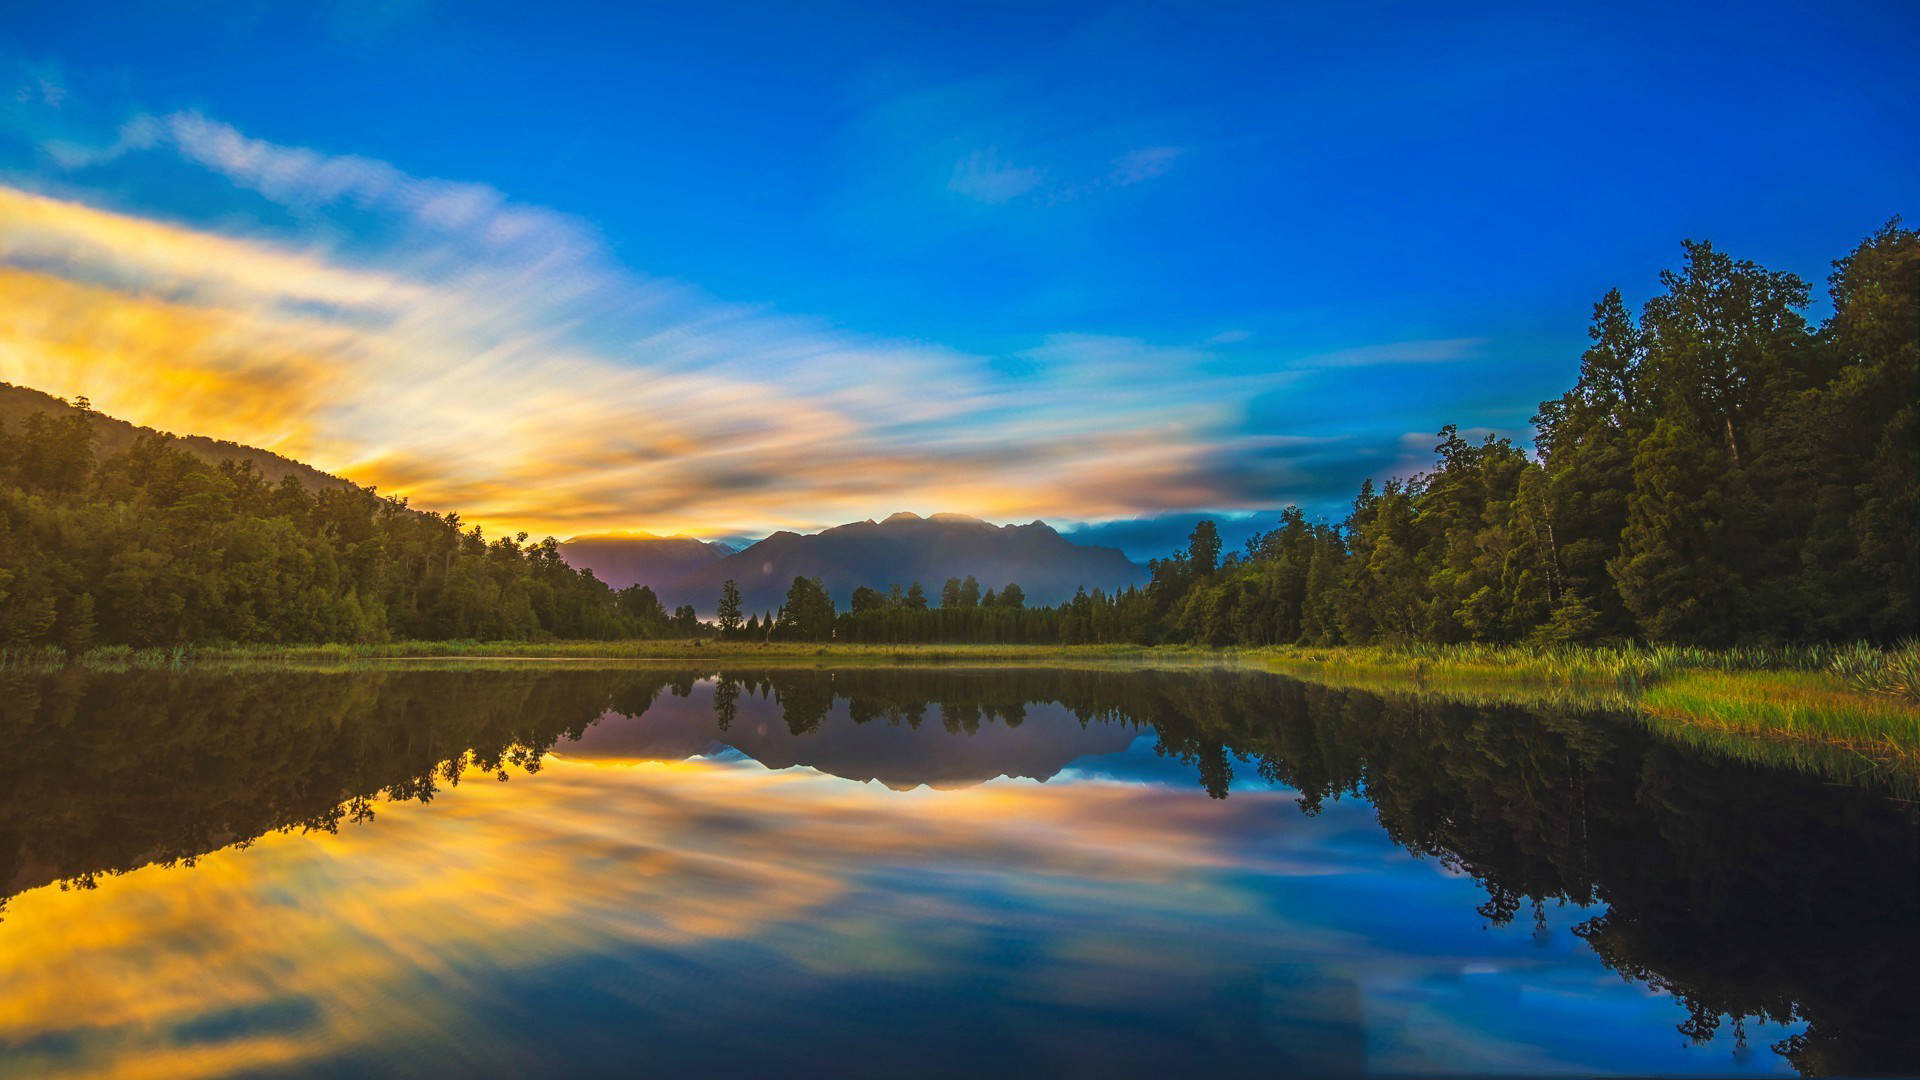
x: 657, y: 893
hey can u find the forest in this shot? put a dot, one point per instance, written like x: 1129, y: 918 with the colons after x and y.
x: 1721, y: 472
x: 154, y: 546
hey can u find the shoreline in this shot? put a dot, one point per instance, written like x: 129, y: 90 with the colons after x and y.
x: 1786, y: 698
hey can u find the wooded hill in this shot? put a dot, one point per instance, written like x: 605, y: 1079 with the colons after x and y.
x: 112, y: 436
x: 115, y: 534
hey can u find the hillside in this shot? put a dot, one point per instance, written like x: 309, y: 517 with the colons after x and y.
x: 111, y: 435
x: 906, y: 548
x: 641, y: 559
x: 117, y: 535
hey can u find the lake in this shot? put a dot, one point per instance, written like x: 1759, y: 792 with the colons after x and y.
x: 581, y: 869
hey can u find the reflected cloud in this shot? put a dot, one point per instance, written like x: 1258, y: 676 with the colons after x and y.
x: 590, y: 857
x: 646, y: 884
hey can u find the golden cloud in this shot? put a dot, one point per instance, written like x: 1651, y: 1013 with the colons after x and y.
x: 529, y: 387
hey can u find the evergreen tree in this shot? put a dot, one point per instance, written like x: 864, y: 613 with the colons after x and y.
x: 1673, y: 570
x: 727, y: 615
x: 1203, y: 548
x: 807, y: 614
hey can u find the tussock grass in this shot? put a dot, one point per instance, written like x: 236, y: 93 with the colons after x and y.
x: 1804, y: 705
x: 1843, y: 711
x: 1626, y: 666
x: 1891, y: 672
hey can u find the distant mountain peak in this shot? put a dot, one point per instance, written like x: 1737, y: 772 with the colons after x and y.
x: 904, y: 548
x: 639, y: 558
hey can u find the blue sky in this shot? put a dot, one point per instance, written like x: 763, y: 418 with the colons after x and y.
x: 991, y: 256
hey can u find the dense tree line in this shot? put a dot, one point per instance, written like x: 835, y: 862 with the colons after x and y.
x: 898, y: 615
x: 156, y: 546
x: 1720, y: 472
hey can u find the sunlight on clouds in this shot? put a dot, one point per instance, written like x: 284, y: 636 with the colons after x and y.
x: 153, y: 256
x: 127, y: 353
x: 490, y: 359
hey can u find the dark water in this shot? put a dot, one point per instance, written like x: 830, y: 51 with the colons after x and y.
x: 901, y: 872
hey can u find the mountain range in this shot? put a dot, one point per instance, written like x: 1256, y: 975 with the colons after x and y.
x: 902, y: 549
x: 1048, y: 739
x: 627, y: 559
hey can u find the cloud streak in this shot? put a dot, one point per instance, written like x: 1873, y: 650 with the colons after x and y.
x: 471, y: 353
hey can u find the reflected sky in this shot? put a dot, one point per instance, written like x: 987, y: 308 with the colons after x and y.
x: 1035, y: 897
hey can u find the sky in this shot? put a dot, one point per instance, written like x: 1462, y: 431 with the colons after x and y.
x: 724, y: 269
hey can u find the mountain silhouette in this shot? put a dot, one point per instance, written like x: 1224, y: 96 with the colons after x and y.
x: 1045, y: 739
x: 903, y: 549
x: 641, y: 559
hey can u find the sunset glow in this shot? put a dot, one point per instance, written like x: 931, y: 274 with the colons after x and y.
x: 948, y: 289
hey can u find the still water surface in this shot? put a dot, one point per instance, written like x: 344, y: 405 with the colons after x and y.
x: 581, y: 870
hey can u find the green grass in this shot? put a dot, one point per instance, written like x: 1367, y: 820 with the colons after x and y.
x: 1615, y: 666
x: 1841, y: 710
x: 1816, y: 706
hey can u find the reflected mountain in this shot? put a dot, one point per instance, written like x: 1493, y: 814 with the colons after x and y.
x: 963, y: 732
x: 1746, y: 892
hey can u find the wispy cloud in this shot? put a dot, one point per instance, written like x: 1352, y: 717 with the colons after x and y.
x: 1146, y: 163
x: 982, y: 176
x: 1435, y: 351
x: 473, y: 353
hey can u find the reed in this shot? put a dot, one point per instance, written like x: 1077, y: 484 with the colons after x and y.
x: 1856, y: 701
x: 1893, y: 673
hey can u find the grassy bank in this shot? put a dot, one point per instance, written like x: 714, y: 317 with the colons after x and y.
x: 1847, y: 708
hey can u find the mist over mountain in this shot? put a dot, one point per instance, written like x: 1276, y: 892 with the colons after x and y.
x: 903, y: 549
x: 641, y: 559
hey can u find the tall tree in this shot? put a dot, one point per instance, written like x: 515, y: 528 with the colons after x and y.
x: 1724, y: 337
x: 1203, y: 548
x: 727, y: 615
x: 1674, y: 569
x: 808, y: 612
